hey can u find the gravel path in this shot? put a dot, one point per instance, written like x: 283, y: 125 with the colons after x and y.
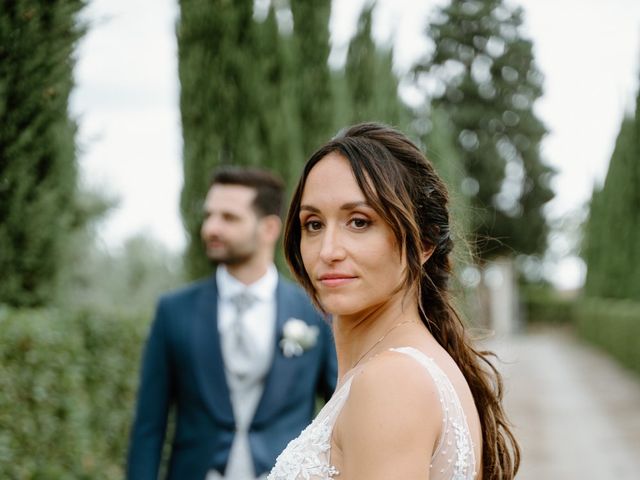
x: 575, y: 411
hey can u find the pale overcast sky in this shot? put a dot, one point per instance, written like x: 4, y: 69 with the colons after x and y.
x: 126, y: 99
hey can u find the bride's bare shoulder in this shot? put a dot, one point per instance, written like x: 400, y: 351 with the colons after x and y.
x: 395, y: 392
x: 390, y: 420
x: 394, y: 377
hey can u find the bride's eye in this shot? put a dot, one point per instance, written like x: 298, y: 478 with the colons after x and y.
x: 359, y: 223
x: 312, y: 225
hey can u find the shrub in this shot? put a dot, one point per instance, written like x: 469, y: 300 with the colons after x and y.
x: 610, y: 324
x: 542, y: 305
x: 67, y: 387
x: 613, y: 325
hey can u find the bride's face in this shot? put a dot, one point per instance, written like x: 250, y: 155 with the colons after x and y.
x: 348, y: 250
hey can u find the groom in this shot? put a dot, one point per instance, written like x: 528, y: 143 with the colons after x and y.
x: 240, y: 356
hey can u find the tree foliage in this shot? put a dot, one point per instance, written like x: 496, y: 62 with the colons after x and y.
x: 138, y: 271
x: 612, y: 241
x: 214, y: 68
x: 442, y: 151
x: 311, y: 39
x: 279, y: 116
x: 258, y: 90
x: 38, y: 171
x: 371, y: 85
x: 253, y: 92
x: 68, y: 389
x: 483, y: 76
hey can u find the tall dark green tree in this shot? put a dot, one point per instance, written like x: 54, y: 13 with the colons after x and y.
x: 38, y: 171
x: 633, y: 180
x: 482, y: 74
x: 311, y: 38
x: 612, y: 240
x: 278, y: 110
x: 372, y: 86
x: 217, y: 103
x: 239, y: 78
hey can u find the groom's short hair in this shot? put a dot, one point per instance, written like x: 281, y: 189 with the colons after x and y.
x: 268, y: 185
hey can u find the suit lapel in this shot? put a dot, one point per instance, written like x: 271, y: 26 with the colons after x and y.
x: 281, y: 373
x: 208, y: 355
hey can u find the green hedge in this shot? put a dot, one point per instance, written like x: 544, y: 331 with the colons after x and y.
x: 542, y: 305
x: 67, y: 388
x: 613, y: 325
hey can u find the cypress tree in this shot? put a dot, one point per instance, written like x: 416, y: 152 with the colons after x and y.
x: 237, y: 75
x: 218, y: 110
x: 38, y: 171
x: 372, y: 86
x: 612, y: 240
x: 311, y: 38
x: 633, y: 207
x: 592, y: 245
x: 278, y: 112
x: 483, y: 76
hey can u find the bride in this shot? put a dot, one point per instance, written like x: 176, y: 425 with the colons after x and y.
x: 368, y: 236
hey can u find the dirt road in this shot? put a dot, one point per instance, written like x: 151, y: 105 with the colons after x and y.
x: 576, y: 412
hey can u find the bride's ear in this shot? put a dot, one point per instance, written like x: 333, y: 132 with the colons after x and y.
x: 426, y: 253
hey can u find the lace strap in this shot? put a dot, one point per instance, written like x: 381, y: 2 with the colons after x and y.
x: 333, y: 407
x: 453, y: 454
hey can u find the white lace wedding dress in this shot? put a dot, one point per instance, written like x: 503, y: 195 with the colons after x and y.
x: 308, y: 456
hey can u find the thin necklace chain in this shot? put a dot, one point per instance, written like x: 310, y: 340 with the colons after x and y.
x: 377, y: 342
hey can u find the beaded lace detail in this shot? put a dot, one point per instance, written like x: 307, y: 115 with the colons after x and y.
x: 453, y: 458
x: 307, y: 457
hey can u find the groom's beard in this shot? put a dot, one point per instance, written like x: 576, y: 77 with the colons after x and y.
x: 226, y: 253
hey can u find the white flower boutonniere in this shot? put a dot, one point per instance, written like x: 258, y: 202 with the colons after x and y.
x: 297, y: 337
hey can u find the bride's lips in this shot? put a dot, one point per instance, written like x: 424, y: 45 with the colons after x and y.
x: 336, y: 279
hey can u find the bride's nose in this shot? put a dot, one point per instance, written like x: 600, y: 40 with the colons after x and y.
x: 332, y: 248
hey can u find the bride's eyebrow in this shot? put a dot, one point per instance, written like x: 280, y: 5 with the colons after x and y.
x: 345, y: 206
x: 309, y: 208
x: 352, y: 205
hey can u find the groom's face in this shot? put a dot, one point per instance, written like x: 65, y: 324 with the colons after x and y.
x: 230, y: 229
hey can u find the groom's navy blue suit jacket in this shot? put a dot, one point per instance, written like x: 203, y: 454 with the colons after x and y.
x: 183, y: 367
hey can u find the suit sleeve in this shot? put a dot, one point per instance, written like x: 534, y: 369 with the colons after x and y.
x: 329, y: 371
x: 152, y: 408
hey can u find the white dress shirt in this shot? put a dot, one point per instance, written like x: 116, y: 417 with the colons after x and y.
x: 260, y: 318
x: 259, y: 322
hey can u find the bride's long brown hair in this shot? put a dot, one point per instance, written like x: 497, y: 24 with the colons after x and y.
x: 403, y: 187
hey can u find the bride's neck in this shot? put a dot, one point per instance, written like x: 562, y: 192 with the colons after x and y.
x: 359, y: 335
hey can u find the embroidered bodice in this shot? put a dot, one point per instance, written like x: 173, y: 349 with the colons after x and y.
x: 307, y: 457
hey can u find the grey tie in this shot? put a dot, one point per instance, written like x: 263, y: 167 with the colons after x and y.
x: 242, y: 347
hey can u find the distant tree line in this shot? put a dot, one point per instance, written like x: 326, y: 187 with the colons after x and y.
x: 256, y: 89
